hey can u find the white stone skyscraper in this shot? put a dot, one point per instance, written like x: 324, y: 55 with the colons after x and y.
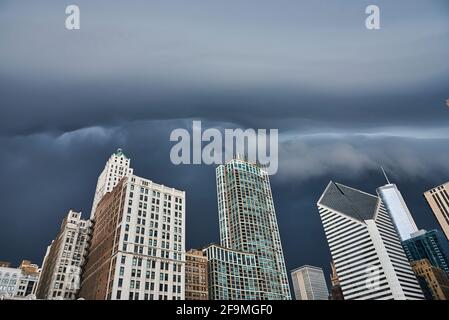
x: 398, y: 210
x: 370, y: 261
x: 117, y: 166
x: 137, y: 251
x: 248, y: 223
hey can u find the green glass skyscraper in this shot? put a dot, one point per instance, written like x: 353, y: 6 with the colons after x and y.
x: 248, y: 223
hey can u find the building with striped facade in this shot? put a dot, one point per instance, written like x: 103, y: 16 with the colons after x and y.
x: 365, y: 246
x: 438, y: 200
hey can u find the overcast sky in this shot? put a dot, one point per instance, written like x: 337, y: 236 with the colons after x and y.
x: 346, y: 100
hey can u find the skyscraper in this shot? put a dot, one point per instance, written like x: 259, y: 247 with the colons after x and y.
x: 398, y: 210
x: 365, y: 246
x: 137, y: 250
x: 309, y: 283
x: 438, y: 200
x: 248, y: 223
x: 116, y: 167
x: 61, y: 269
x: 427, y: 245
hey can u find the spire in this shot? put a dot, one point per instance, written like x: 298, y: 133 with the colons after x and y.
x: 120, y: 153
x: 386, y: 177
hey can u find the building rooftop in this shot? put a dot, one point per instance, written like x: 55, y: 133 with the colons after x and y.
x: 351, y: 202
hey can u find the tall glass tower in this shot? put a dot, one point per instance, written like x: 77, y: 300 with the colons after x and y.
x: 398, y: 210
x: 248, y: 223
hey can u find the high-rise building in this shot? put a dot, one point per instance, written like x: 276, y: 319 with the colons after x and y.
x: 438, y: 200
x: 62, y: 264
x: 336, y: 292
x: 436, y: 280
x: 232, y: 274
x: 427, y: 245
x: 248, y: 223
x: 196, y: 275
x: 398, y: 210
x: 137, y: 250
x: 116, y: 167
x: 18, y: 282
x: 365, y: 246
x: 309, y: 283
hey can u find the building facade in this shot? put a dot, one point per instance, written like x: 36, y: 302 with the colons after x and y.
x: 427, y: 245
x: 18, y: 282
x: 196, y: 276
x: 116, y: 167
x: 398, y: 210
x: 438, y: 200
x: 336, y: 292
x: 137, y: 249
x: 365, y: 247
x: 61, y: 269
x: 436, y: 280
x: 248, y: 223
x: 309, y: 283
x: 232, y: 274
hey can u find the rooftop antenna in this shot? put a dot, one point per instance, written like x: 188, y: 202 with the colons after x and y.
x: 386, y: 177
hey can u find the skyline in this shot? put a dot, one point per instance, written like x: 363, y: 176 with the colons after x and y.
x: 346, y: 101
x: 206, y: 244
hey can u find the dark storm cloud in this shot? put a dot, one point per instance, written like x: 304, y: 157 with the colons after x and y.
x: 223, y: 62
x: 345, y: 101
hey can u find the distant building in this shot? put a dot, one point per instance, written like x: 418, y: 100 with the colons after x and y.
x: 117, y: 167
x: 196, y: 275
x: 232, y: 274
x: 309, y: 283
x: 336, y: 292
x: 438, y: 200
x: 427, y: 245
x: 436, y: 280
x: 365, y: 246
x: 18, y: 282
x: 64, y: 258
x: 398, y: 210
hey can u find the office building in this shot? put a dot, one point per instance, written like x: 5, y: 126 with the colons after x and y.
x: 116, y: 167
x: 18, y: 282
x: 427, y: 245
x: 196, y: 275
x: 398, y: 210
x: 247, y: 221
x: 336, y: 292
x: 438, y: 200
x: 309, y: 283
x: 436, y: 280
x: 137, y: 250
x: 365, y: 246
x: 232, y: 274
x: 61, y: 269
